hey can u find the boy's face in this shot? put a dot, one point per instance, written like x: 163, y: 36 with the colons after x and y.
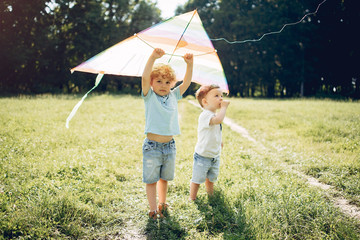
x: 212, y: 100
x: 161, y: 86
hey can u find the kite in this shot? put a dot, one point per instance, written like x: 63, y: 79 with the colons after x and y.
x: 176, y: 36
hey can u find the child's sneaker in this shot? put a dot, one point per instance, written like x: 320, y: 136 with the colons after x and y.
x: 153, y: 215
x: 163, y: 209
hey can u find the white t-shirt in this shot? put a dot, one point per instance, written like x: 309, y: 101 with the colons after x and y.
x: 209, y: 136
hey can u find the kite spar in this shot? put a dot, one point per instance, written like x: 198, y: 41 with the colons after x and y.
x: 176, y: 36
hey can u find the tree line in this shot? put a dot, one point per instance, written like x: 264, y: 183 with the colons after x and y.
x: 42, y: 40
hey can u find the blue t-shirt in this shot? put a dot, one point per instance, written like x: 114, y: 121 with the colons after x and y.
x: 161, y: 112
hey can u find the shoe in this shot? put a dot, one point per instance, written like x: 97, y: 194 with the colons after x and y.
x: 163, y: 209
x: 153, y: 215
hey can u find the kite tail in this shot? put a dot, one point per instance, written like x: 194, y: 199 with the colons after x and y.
x: 73, y: 112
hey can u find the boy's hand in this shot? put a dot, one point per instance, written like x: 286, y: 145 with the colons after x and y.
x: 225, y: 103
x: 189, y: 58
x: 158, y: 53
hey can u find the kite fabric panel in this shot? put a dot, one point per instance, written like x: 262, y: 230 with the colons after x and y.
x: 176, y: 36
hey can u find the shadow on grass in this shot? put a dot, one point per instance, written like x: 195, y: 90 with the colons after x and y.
x: 164, y: 229
x: 221, y: 217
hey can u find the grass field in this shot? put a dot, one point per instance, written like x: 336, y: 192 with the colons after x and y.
x: 85, y: 182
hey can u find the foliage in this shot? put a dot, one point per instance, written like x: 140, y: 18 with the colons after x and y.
x: 284, y: 64
x: 85, y: 182
x: 43, y: 39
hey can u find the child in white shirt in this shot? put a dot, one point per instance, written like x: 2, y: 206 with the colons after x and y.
x: 208, y: 147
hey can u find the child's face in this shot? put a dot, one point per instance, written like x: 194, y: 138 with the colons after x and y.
x: 161, y: 86
x: 213, y: 99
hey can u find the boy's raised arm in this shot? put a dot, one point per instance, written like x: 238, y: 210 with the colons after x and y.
x: 219, y: 117
x: 145, y: 80
x: 189, y: 59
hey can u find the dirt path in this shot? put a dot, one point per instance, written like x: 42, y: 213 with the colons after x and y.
x: 131, y: 232
x: 340, y: 202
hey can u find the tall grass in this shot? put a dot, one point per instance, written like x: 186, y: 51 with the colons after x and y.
x: 85, y: 182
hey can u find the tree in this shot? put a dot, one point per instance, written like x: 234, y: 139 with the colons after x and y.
x: 43, y: 39
x: 23, y: 36
x: 291, y: 63
x: 337, y: 48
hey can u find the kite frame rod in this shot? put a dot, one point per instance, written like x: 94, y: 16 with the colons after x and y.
x: 182, y: 35
x: 136, y: 35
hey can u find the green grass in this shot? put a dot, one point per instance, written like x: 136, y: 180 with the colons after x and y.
x: 320, y: 138
x: 86, y: 182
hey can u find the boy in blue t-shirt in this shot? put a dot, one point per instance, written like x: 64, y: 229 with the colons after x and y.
x: 161, y: 117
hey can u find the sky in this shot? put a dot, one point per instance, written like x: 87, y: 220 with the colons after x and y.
x: 168, y: 7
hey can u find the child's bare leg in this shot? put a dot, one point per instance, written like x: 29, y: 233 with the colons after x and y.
x: 209, y: 187
x: 194, y: 188
x: 151, y: 196
x: 162, y: 190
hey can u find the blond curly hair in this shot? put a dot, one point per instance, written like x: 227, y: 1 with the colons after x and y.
x: 163, y: 71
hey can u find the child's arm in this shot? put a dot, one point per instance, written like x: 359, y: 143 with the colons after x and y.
x: 145, y: 80
x: 219, y: 117
x: 189, y: 59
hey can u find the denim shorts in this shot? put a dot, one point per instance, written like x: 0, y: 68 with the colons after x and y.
x: 205, y: 167
x: 158, y: 161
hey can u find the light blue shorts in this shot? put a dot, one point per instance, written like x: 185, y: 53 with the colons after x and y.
x: 158, y: 161
x: 205, y: 167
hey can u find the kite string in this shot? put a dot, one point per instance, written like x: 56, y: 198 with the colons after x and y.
x: 270, y: 33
